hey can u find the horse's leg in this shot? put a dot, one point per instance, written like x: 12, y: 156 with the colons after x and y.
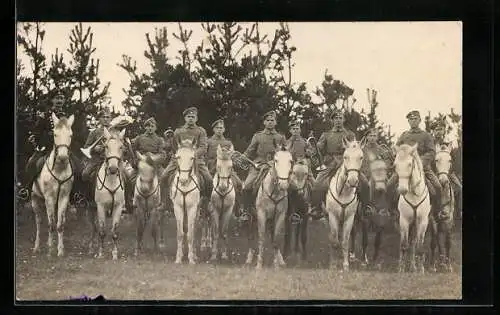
x: 215, y: 229
x: 364, y: 239
x: 155, y: 226
x: 51, y: 221
x: 448, y: 244
x: 352, y: 243
x: 278, y: 238
x: 403, y: 241
x: 303, y: 238
x: 224, y: 230
x: 347, y: 227
x: 262, y: 229
x: 92, y: 218
x: 296, y: 242
x: 251, y: 236
x: 179, y: 218
x: 160, y: 229
x: 191, y: 225
x: 117, y: 214
x: 376, y: 247
x: 38, y: 206
x: 288, y: 238
x: 61, y: 220
x: 140, y: 218
x: 421, y: 229
x: 101, y: 224
x: 434, y: 242
x: 334, y: 238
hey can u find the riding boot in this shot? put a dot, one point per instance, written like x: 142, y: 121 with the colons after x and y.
x: 363, y: 190
x: 247, y: 201
x: 317, y: 199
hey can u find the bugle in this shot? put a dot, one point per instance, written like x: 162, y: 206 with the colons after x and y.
x: 242, y: 161
x: 86, y: 151
x: 312, y: 142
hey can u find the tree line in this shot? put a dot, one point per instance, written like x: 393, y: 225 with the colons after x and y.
x: 236, y: 72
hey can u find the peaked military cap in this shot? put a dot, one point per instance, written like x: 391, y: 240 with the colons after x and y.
x: 150, y: 121
x: 270, y: 113
x: 190, y: 110
x: 168, y: 131
x: 413, y: 114
x: 294, y: 123
x: 218, y: 121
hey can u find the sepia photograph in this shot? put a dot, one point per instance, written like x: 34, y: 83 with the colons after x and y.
x: 238, y: 161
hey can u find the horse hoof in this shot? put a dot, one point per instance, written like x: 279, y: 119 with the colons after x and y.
x: 224, y: 256
x: 258, y: 267
x: 60, y: 254
x: 36, y: 250
x: 192, y: 262
x: 136, y: 253
x: 161, y: 245
x: 178, y: 261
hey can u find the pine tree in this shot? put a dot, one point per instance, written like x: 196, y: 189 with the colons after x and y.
x: 84, y: 75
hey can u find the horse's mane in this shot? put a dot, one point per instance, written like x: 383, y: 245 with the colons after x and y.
x: 62, y: 122
x: 186, y: 143
x: 405, y: 151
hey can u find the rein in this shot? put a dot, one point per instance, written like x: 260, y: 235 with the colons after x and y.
x: 221, y: 195
x: 103, y: 181
x: 146, y: 196
x: 276, y: 202
x: 343, y: 205
x: 60, y: 182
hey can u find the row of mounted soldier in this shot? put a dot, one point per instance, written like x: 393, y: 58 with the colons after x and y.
x: 328, y: 151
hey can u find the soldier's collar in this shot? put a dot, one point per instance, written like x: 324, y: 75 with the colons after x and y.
x: 269, y: 131
x: 371, y: 144
x: 417, y: 129
x: 189, y: 126
x: 295, y: 137
x: 338, y: 129
x: 218, y: 137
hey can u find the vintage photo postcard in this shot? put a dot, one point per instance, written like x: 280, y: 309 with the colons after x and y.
x: 239, y: 161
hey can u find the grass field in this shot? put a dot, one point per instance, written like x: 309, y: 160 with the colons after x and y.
x: 156, y: 277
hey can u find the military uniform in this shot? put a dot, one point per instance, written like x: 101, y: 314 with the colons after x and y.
x: 168, y: 137
x: 301, y: 150
x: 331, y: 147
x: 43, y: 137
x: 199, y: 134
x: 212, y: 144
x: 426, y: 151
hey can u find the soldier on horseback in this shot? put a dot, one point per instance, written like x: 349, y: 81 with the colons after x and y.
x: 43, y: 139
x: 426, y: 150
x: 153, y: 147
x: 190, y: 130
x: 331, y: 147
x: 301, y: 150
x: 219, y: 139
x: 262, y: 149
x: 439, y: 139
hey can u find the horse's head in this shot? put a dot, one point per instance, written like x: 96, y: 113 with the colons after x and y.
x: 378, y: 174
x: 353, y: 159
x: 300, y: 171
x: 443, y: 162
x: 145, y: 167
x: 405, y: 163
x: 224, y: 166
x: 185, y: 157
x: 113, y: 149
x: 283, y: 161
x: 62, y: 137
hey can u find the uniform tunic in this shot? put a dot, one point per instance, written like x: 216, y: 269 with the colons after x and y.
x: 299, y: 147
x: 150, y: 143
x: 330, y: 145
x: 261, y: 149
x: 425, y: 148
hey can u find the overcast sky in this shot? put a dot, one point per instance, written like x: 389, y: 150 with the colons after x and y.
x: 412, y: 65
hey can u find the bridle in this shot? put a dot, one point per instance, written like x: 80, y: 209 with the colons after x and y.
x: 146, y: 196
x: 102, y: 182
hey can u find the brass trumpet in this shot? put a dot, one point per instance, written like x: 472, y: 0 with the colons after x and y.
x: 312, y: 142
x: 242, y: 161
x: 86, y: 151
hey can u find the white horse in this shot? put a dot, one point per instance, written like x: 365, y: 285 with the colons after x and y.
x: 51, y: 189
x: 147, y: 198
x: 442, y: 223
x: 342, y: 202
x: 222, y: 201
x: 109, y: 191
x: 413, y: 205
x: 272, y: 206
x: 185, y: 196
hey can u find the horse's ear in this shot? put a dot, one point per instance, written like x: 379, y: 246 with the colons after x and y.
x: 71, y: 120
x: 122, y: 133
x: 106, y: 133
x: 345, y: 142
x: 362, y: 142
x: 139, y: 155
x: 54, y: 118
